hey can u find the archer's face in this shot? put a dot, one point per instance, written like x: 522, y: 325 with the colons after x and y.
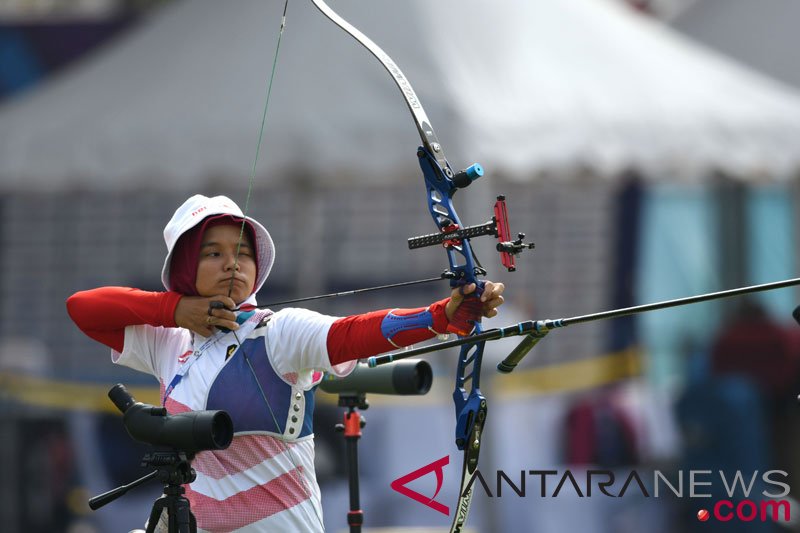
x: 215, y: 266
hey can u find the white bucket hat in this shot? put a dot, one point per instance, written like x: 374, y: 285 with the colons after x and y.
x: 195, y: 210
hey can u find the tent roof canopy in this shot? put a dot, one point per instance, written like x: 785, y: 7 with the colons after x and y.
x: 522, y: 87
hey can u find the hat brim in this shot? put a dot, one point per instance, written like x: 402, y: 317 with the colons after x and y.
x: 265, y: 252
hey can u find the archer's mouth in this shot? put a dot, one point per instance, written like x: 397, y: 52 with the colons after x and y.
x: 234, y: 280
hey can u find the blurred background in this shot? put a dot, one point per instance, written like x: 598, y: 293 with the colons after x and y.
x: 650, y: 149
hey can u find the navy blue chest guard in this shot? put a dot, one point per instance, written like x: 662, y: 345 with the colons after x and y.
x: 236, y: 391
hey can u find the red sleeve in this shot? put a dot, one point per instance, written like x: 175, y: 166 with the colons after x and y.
x: 103, y: 313
x: 358, y: 336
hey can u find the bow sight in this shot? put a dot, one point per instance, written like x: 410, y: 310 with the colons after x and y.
x: 452, y: 236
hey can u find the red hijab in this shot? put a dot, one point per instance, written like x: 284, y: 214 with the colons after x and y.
x: 183, y: 265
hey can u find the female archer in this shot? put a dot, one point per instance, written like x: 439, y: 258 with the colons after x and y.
x: 257, y: 365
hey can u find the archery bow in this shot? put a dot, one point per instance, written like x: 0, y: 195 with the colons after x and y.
x: 441, y: 184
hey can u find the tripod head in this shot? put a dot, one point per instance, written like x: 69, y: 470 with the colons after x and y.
x: 172, y: 468
x: 179, y: 437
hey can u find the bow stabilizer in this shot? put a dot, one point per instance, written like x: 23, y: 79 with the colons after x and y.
x: 535, y: 330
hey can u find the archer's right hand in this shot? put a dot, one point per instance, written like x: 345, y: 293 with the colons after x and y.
x: 195, y: 313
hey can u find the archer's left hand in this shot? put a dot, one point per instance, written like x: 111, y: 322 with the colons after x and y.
x: 473, y: 310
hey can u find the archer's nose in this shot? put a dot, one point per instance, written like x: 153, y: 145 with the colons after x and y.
x: 233, y: 264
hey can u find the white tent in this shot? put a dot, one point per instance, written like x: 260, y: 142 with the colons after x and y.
x: 523, y: 87
x: 760, y: 34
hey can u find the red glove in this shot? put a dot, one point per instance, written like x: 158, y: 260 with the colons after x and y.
x: 467, y: 316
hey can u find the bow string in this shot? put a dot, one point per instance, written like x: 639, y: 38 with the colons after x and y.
x: 251, y: 181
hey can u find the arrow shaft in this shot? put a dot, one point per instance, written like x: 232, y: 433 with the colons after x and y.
x: 543, y: 326
x: 616, y: 313
x: 354, y: 291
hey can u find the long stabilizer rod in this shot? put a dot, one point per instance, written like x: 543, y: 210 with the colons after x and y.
x: 535, y: 330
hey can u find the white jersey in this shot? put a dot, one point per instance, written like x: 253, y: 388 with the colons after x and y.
x: 265, y: 480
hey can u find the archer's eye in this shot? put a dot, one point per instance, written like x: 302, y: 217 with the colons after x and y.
x: 245, y: 250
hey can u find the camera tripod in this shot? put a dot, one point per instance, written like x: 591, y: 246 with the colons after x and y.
x: 353, y: 423
x: 173, y: 469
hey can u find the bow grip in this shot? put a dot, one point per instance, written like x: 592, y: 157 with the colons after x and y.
x: 469, y: 312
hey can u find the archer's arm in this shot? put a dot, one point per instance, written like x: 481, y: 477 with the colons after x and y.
x: 359, y: 336
x: 103, y: 313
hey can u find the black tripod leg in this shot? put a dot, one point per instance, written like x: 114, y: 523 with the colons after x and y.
x: 181, y: 519
x: 155, y: 514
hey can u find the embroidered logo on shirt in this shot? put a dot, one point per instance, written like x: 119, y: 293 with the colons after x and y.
x: 264, y: 319
x: 231, y: 349
x: 185, y: 356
